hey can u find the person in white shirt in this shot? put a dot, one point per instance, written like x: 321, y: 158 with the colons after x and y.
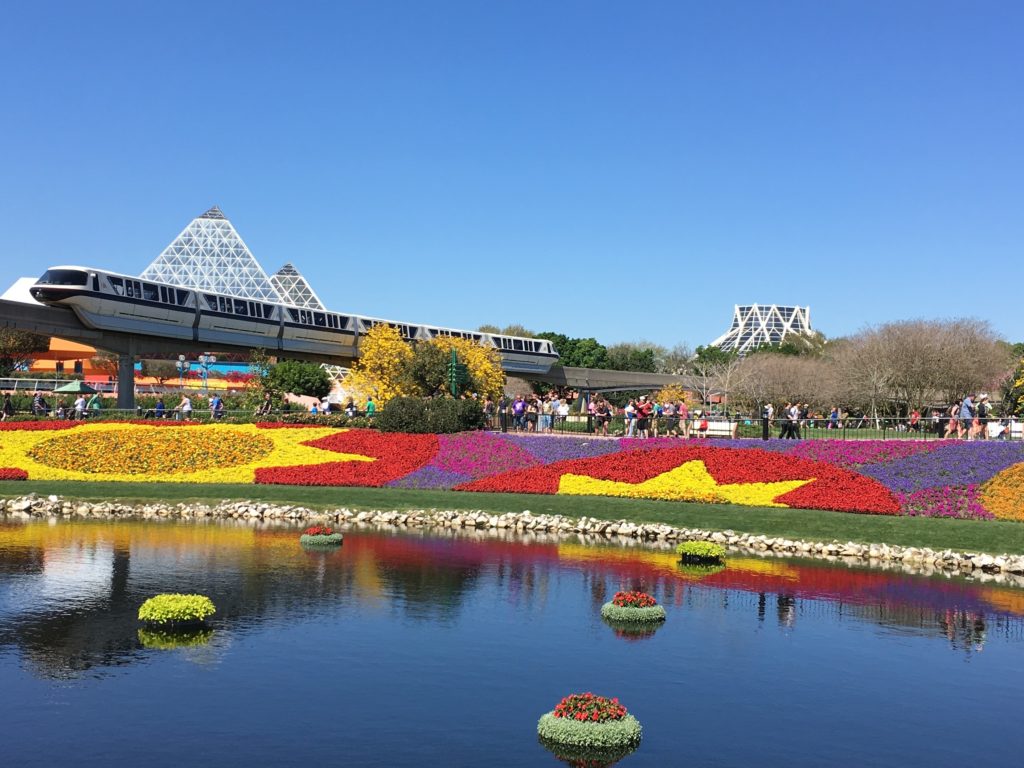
x: 80, y: 407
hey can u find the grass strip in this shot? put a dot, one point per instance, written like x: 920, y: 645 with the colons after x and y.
x: 995, y: 537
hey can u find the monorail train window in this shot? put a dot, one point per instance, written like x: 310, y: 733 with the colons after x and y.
x: 293, y: 314
x: 211, y: 301
x: 517, y: 344
x: 163, y: 294
x: 241, y: 308
x: 182, y: 298
x: 149, y: 292
x: 129, y: 289
x: 64, y: 277
x: 117, y: 284
x: 320, y: 319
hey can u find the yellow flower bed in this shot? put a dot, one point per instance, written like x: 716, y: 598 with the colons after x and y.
x: 688, y: 482
x: 215, y: 453
x: 1003, y: 493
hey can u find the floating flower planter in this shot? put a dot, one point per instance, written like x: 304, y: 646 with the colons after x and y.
x: 175, y: 611
x: 633, y: 608
x: 704, y: 553
x: 158, y: 639
x: 584, y: 721
x: 320, y: 536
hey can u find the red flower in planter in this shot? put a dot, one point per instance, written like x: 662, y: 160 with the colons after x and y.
x: 633, y: 600
x: 587, y: 706
x: 318, y: 530
x: 395, y: 455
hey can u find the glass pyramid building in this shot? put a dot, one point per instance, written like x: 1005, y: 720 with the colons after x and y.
x: 294, y: 289
x: 209, y: 255
x: 757, y: 325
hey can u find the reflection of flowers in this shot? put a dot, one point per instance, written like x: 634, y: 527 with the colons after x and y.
x: 163, y: 640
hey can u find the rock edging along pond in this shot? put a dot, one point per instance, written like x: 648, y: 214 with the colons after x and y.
x: 946, y: 560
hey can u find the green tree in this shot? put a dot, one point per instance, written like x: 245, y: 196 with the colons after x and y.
x: 161, y: 370
x: 17, y: 348
x: 628, y: 356
x: 428, y: 370
x: 299, y: 378
x: 577, y: 353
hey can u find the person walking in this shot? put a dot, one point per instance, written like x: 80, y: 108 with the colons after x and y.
x: 967, y: 418
x: 8, y: 408
x: 94, y: 405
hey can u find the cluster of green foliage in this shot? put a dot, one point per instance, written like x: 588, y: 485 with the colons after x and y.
x: 632, y: 614
x: 173, y: 608
x: 333, y: 419
x: 161, y: 640
x: 321, y: 540
x: 434, y: 415
x: 701, y: 551
x: 610, y: 734
x: 298, y: 378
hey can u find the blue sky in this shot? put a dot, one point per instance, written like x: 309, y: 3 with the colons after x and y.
x: 620, y: 170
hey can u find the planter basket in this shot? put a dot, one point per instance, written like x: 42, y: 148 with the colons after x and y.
x: 321, y: 540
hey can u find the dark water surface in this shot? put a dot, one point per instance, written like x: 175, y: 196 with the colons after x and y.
x: 418, y: 650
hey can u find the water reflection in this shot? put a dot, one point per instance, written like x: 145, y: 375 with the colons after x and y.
x: 69, y: 592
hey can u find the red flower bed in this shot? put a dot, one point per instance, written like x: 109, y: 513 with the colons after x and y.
x: 633, y: 600
x: 13, y: 473
x: 28, y: 426
x: 830, y: 488
x: 318, y: 530
x: 590, y: 708
x: 395, y: 455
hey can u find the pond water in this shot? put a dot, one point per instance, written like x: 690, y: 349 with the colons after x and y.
x: 417, y: 649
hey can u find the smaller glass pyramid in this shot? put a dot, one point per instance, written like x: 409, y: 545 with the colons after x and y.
x: 294, y: 288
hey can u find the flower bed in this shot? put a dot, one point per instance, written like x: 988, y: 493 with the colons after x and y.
x: 171, y: 610
x: 587, y: 721
x: 320, y: 536
x: 706, y: 553
x: 974, y: 480
x: 633, y: 607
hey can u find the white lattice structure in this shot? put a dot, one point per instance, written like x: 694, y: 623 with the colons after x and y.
x: 209, y: 255
x: 756, y: 325
x: 294, y: 289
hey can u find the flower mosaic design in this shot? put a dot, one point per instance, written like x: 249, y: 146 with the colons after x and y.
x: 748, y: 477
x: 112, y: 451
x: 976, y: 480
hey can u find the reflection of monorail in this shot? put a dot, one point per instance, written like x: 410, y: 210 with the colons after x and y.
x: 112, y: 302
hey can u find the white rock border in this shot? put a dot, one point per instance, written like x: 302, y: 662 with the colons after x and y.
x: 921, y: 558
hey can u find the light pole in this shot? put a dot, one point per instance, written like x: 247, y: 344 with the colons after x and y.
x: 183, y: 367
x: 205, y: 363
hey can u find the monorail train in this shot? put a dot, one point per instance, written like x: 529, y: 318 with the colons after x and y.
x: 113, y: 302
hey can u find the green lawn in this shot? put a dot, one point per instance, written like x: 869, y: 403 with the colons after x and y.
x: 962, y: 535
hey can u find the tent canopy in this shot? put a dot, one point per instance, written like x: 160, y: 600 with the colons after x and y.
x: 75, y: 388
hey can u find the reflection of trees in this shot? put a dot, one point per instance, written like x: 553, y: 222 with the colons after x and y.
x: 430, y: 590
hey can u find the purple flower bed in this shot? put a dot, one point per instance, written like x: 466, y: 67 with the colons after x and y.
x: 549, y: 449
x: 479, y: 454
x: 950, y: 464
x: 856, y: 453
x: 961, y: 503
x: 429, y: 478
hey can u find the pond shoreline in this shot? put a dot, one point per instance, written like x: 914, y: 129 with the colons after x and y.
x: 874, y: 554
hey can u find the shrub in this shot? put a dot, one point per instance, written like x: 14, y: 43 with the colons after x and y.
x: 629, y: 607
x: 172, y: 609
x: 591, y: 722
x: 437, y: 416
x: 700, y: 552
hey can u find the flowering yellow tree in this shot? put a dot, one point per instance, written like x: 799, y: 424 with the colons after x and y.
x: 483, y: 363
x: 673, y: 393
x: 380, y: 371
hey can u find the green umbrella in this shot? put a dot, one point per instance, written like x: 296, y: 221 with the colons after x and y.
x: 75, y: 388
